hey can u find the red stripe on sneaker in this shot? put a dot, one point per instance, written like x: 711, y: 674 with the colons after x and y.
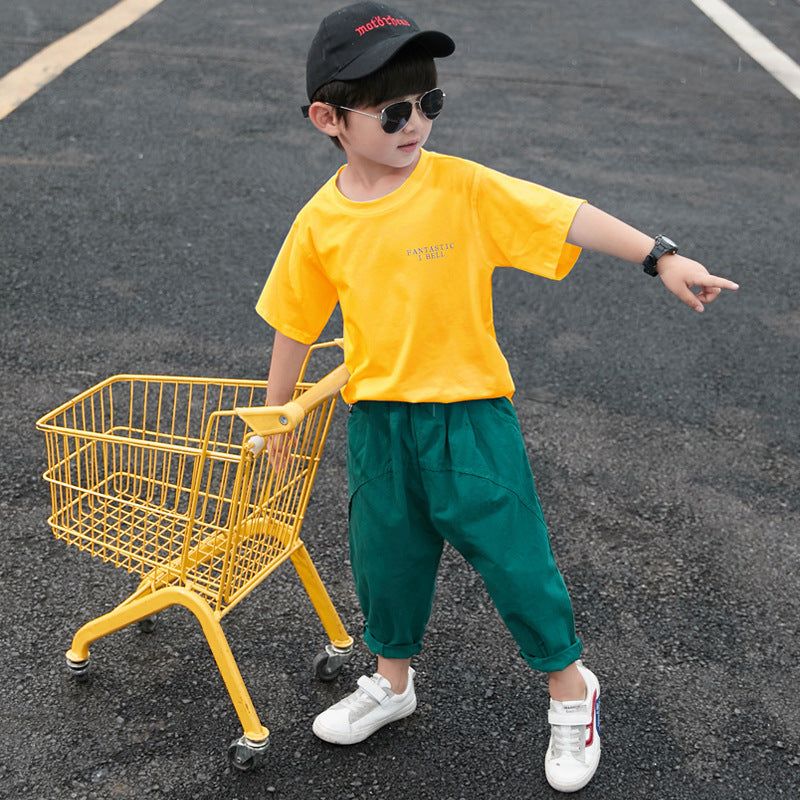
x: 590, y: 726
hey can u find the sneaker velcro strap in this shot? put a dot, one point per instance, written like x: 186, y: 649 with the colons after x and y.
x: 376, y: 692
x: 577, y: 717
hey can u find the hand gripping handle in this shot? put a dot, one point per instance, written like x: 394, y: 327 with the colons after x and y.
x: 269, y: 420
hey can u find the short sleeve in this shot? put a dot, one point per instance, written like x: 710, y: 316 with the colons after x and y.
x: 297, y: 299
x: 525, y: 225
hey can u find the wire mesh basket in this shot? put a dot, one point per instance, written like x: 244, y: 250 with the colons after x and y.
x: 170, y: 479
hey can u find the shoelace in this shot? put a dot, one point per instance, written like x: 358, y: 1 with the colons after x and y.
x: 360, y: 701
x: 568, y: 738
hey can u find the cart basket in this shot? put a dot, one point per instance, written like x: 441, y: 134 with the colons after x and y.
x: 199, y: 489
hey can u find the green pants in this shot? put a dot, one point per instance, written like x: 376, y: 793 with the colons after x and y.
x: 422, y: 474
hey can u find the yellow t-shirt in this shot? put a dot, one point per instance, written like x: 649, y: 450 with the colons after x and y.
x: 412, y: 272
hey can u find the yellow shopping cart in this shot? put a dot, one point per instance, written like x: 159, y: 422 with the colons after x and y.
x: 169, y: 477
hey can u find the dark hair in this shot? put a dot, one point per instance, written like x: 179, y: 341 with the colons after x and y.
x: 410, y: 71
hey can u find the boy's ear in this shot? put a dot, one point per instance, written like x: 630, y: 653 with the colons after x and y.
x: 325, y: 118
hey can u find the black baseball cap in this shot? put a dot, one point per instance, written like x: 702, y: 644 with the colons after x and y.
x: 360, y: 38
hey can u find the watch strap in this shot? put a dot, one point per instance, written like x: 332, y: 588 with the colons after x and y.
x: 662, y: 246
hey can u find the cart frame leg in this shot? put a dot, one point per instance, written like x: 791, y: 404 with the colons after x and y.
x: 137, y: 608
x: 320, y: 599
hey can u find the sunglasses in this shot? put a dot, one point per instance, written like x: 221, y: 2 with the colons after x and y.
x: 397, y: 115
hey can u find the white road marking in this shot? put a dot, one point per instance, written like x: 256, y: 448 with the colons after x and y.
x: 754, y: 43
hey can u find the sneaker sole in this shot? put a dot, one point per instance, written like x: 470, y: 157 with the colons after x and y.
x: 353, y: 737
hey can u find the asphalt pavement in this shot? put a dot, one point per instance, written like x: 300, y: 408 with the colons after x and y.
x: 143, y: 195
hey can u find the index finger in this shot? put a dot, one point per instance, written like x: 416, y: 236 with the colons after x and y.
x: 717, y: 282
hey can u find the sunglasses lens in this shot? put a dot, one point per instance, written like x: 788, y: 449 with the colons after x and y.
x: 432, y: 103
x: 396, y: 116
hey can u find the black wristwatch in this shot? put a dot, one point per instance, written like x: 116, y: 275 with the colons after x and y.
x: 662, y: 246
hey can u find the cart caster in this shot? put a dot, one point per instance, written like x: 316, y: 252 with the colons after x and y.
x: 79, y: 670
x: 246, y: 755
x: 148, y: 624
x: 328, y: 664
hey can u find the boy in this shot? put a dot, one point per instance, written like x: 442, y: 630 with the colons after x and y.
x: 405, y: 240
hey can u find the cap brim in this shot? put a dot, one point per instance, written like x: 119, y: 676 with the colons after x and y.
x: 438, y: 44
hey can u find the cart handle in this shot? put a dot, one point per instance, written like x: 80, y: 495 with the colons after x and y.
x: 269, y: 420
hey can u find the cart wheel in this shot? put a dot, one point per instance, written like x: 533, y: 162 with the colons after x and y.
x: 79, y: 670
x: 326, y: 669
x: 148, y: 624
x: 245, y: 755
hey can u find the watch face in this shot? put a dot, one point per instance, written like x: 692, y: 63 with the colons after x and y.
x: 662, y: 246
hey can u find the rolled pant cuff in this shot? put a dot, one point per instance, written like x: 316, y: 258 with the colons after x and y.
x: 391, y: 650
x: 558, y: 661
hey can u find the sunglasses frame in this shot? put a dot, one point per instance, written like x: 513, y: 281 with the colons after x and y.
x: 383, y: 116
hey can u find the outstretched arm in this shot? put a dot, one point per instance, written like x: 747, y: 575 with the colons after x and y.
x: 594, y: 229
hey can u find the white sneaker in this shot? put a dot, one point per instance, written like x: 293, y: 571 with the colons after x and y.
x: 574, y: 751
x: 367, y: 709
